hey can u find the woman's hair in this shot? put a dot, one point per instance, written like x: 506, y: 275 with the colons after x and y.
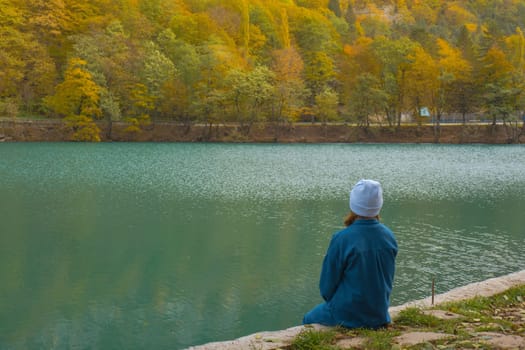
x: 351, y: 217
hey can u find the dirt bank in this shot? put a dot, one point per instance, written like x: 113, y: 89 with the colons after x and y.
x: 55, y: 131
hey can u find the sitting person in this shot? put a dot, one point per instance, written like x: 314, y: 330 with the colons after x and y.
x: 358, y: 269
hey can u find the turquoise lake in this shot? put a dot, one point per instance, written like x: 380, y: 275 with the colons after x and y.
x: 164, y: 246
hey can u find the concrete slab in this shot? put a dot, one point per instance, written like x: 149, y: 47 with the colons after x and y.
x: 502, y: 341
x: 413, y: 338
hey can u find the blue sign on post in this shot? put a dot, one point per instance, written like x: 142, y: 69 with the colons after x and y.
x: 423, y: 112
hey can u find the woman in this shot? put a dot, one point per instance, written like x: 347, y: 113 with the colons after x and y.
x: 358, y: 269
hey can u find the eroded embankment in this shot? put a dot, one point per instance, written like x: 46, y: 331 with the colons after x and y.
x: 279, y: 339
x: 56, y: 131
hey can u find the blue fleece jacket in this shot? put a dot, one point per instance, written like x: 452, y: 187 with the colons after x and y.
x: 357, y: 276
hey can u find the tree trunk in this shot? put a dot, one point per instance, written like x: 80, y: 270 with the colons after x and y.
x: 110, y: 128
x: 437, y: 128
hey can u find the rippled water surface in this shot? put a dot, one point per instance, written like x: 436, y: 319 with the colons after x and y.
x: 134, y: 246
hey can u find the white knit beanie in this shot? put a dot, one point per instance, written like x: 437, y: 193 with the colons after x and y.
x: 366, y: 198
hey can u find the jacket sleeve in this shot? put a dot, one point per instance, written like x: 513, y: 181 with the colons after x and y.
x: 332, y: 270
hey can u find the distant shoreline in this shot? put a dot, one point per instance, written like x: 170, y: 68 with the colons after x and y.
x: 20, y: 130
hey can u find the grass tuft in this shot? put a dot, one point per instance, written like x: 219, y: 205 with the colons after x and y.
x: 312, y: 339
x: 380, y: 339
x: 479, y: 306
x: 414, y: 317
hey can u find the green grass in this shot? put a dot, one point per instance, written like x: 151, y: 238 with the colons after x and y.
x: 380, y: 339
x: 414, y: 317
x: 30, y: 116
x: 312, y: 339
x: 480, y: 314
x: 483, y: 306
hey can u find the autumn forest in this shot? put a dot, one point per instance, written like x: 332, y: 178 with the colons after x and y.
x: 253, y: 61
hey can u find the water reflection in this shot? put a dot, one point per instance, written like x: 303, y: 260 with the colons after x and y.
x: 169, y: 245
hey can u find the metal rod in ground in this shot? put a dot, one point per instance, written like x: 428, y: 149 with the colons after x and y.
x: 433, y: 289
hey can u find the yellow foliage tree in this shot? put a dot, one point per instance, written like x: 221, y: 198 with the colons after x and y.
x: 455, y: 79
x: 78, y: 94
x: 143, y: 104
x: 77, y: 98
x: 516, y: 50
x: 85, y: 129
x: 326, y: 104
x: 452, y: 62
x: 495, y: 66
x: 422, y: 80
x: 289, y: 86
x: 456, y: 14
x: 358, y: 58
x: 318, y: 72
x: 285, y: 29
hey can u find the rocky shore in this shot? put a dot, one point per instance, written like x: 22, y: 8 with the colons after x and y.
x: 48, y: 130
x: 498, y: 337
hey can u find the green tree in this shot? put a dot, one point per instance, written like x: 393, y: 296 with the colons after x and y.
x: 177, y: 95
x: 199, y: 28
x: 159, y: 12
x: 350, y: 18
x: 215, y: 63
x: 326, y: 105
x: 466, y: 44
x: 367, y: 99
x: 114, y: 62
x: 318, y: 72
x: 498, y: 95
x: 248, y: 93
x: 373, y: 25
x: 312, y: 31
x: 185, y: 57
x: 500, y: 101
x: 393, y: 61
x: 335, y: 7
x: 157, y: 70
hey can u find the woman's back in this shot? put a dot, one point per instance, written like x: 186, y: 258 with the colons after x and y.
x: 368, y: 257
x: 359, y: 265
